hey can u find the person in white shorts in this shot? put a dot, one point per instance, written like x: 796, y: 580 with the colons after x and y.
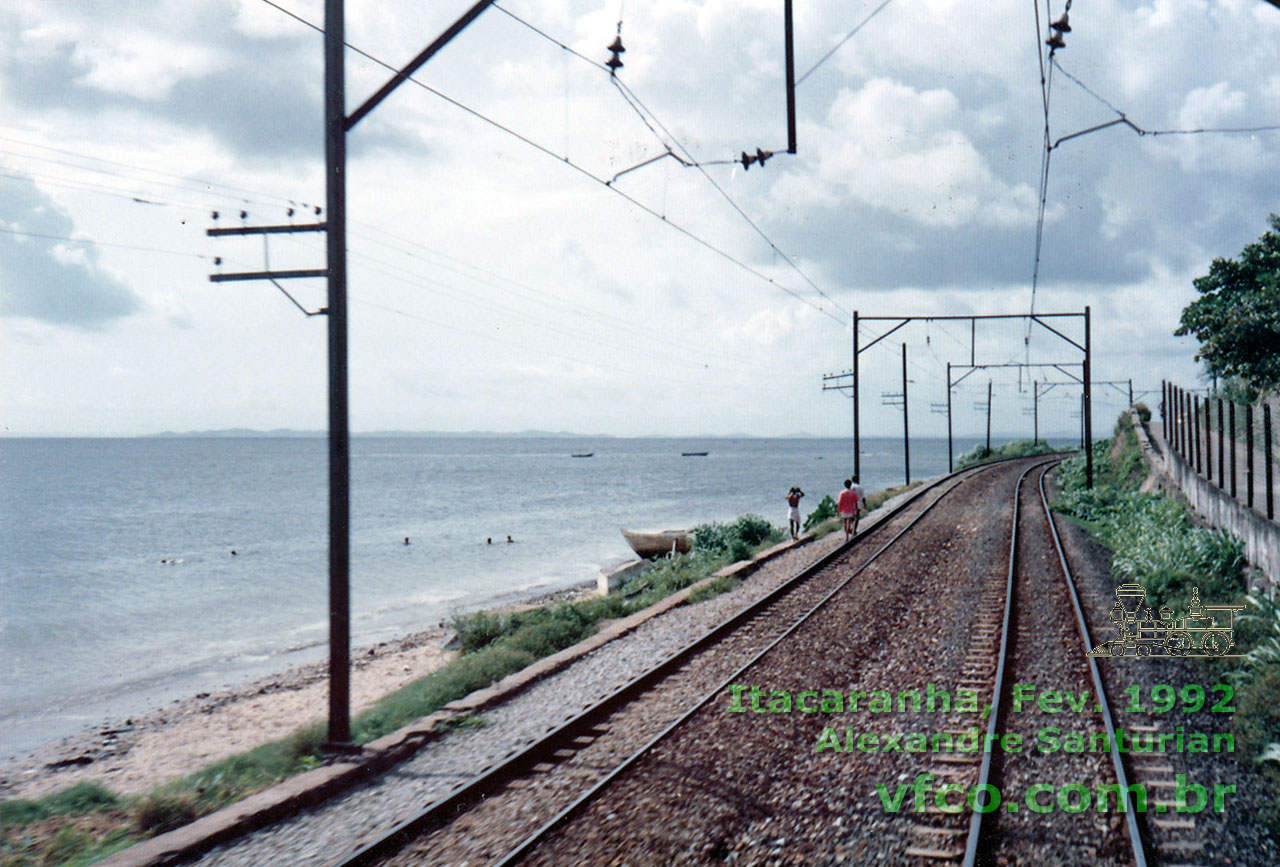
x: 793, y: 510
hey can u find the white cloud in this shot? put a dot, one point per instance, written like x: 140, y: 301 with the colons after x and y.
x: 901, y: 150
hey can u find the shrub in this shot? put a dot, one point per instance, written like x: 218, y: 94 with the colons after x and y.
x: 825, y: 511
x: 1257, y: 717
x: 752, y: 529
x: 737, y: 539
x: 478, y: 630
x: 1143, y: 411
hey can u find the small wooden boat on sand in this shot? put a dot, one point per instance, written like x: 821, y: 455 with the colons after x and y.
x: 655, y: 543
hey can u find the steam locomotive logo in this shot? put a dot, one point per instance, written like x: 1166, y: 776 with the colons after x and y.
x: 1207, y: 630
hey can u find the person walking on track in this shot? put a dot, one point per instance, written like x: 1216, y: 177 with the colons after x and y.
x: 848, y: 506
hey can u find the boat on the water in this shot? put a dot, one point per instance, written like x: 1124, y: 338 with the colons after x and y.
x: 584, y: 455
x: 655, y: 543
x: 694, y: 454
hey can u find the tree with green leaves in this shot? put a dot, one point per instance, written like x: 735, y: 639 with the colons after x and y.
x: 1237, y: 316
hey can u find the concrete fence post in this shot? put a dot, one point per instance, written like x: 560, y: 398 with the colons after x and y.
x: 1231, y: 430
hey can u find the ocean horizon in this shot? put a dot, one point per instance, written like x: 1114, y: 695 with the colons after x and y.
x: 139, y: 570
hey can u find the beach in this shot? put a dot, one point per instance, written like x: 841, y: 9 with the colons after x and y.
x: 133, y: 755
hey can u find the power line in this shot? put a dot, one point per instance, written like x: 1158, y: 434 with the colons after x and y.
x: 649, y: 118
x: 1046, y: 90
x: 25, y: 234
x: 625, y: 88
x: 841, y: 43
x: 523, y: 316
x: 207, y: 184
x: 578, y: 168
x: 1123, y: 118
x: 534, y: 294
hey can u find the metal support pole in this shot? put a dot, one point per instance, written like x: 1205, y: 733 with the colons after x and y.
x: 988, y: 416
x: 1088, y: 403
x: 789, y: 38
x: 857, y: 393
x: 339, y: 445
x: 906, y: 435
x: 1222, y: 469
x: 1248, y: 454
x: 1268, y: 460
x: 1131, y: 392
x: 1035, y: 412
x: 1082, y: 421
x: 950, y: 449
x: 1231, y: 431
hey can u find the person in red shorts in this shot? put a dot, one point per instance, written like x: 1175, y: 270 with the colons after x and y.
x: 848, y: 505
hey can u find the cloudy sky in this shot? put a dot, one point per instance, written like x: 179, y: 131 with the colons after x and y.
x: 499, y: 283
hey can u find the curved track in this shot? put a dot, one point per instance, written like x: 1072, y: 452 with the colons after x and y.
x: 586, y: 751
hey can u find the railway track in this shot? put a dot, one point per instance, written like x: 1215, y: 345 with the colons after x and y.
x: 530, y: 793
x: 1026, y: 805
x: 1006, y: 644
x: 576, y: 755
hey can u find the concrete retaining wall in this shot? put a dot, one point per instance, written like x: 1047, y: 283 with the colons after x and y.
x: 1261, y: 537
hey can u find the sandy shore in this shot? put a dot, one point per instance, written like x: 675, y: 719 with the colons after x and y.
x: 133, y: 756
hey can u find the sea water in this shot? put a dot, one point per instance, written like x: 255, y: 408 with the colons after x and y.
x: 120, y: 591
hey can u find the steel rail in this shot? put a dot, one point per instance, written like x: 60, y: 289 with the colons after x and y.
x: 1131, y: 818
x: 529, y: 843
x: 984, y: 775
x: 491, y: 778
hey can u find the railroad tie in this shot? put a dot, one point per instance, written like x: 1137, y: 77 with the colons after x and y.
x: 1174, y: 824
x: 935, y: 854
x: 935, y: 831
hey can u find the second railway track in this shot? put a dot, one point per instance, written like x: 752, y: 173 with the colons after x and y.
x: 881, y: 582
x: 520, y: 794
x: 803, y: 729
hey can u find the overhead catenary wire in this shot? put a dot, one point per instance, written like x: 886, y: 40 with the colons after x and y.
x: 841, y: 43
x: 1123, y: 118
x: 1046, y: 87
x: 576, y: 167
x: 671, y: 144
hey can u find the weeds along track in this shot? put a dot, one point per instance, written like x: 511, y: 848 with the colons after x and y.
x: 845, y: 608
